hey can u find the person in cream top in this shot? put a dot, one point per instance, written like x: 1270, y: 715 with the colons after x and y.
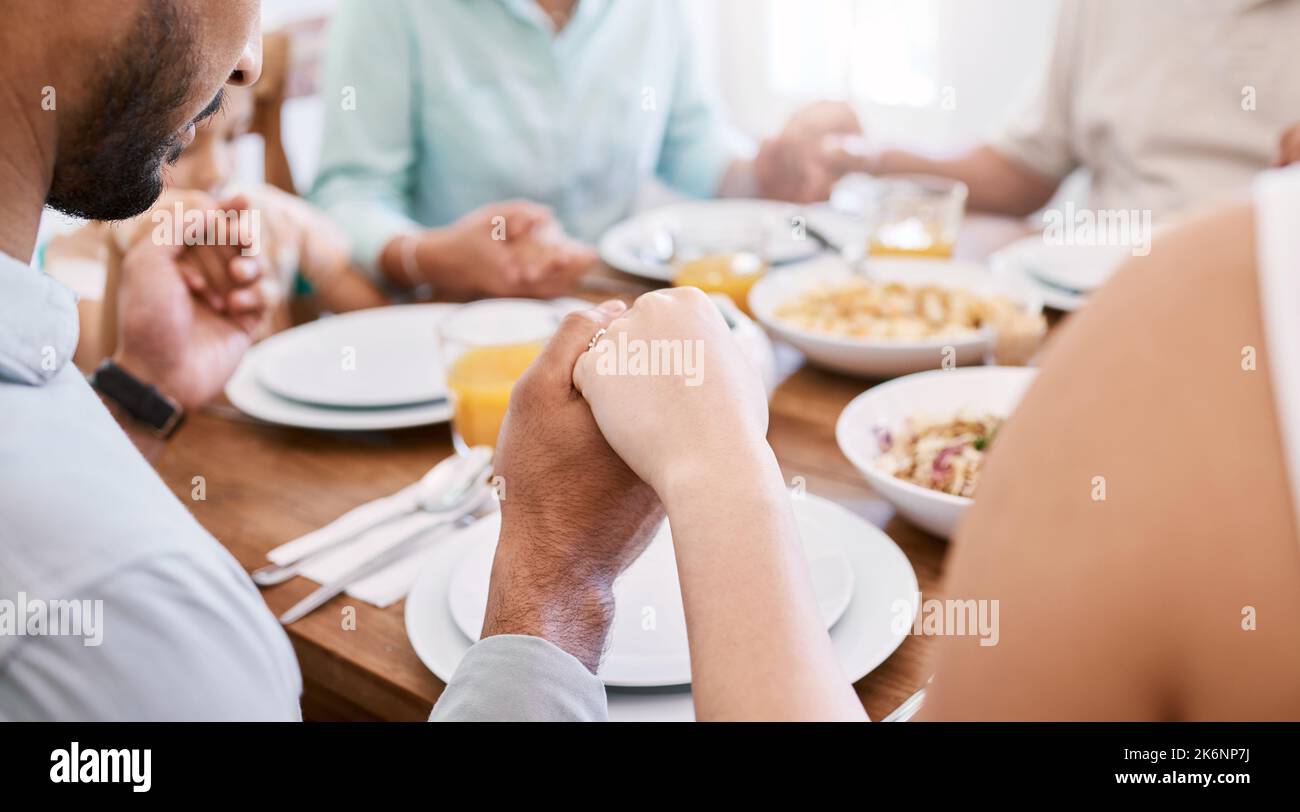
x: 1167, y: 103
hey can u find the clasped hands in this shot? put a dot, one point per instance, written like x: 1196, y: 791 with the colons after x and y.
x: 510, y: 248
x: 592, y: 458
x: 188, y: 313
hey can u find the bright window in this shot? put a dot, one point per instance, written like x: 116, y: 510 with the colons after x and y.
x: 876, y: 51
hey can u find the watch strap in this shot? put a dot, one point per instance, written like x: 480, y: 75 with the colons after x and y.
x: 141, y: 400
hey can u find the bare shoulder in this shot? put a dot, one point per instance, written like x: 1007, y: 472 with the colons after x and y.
x: 1137, y: 505
x: 1160, y: 391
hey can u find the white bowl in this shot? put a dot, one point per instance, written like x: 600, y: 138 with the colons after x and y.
x: 996, y: 390
x: 883, y: 357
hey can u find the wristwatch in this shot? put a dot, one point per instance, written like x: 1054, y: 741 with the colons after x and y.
x: 141, y: 400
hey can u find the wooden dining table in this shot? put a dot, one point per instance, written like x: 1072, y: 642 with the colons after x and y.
x: 263, y: 485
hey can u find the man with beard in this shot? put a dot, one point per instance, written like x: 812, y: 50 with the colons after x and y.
x: 96, y: 97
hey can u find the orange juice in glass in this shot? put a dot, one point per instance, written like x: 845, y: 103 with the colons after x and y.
x: 725, y: 258
x: 486, y: 346
x: 916, y: 216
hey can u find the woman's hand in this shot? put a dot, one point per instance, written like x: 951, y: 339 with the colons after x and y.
x: 692, y: 425
x: 673, y: 394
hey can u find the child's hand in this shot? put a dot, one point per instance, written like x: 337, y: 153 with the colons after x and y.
x: 232, y: 272
x: 173, y: 339
x: 218, y: 249
x: 322, y: 251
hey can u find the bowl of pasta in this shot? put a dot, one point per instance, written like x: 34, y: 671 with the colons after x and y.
x: 896, y: 316
x: 921, y: 441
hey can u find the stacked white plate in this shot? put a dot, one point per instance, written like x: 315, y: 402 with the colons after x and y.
x: 860, y: 577
x: 637, y: 245
x: 367, y: 370
x: 1063, y: 275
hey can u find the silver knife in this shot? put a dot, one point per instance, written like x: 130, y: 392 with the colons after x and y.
x: 326, y: 592
x: 443, y: 489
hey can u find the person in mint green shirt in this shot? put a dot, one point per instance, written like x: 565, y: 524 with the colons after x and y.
x: 450, y: 122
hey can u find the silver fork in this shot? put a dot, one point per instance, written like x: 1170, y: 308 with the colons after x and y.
x: 443, y: 490
x: 910, y: 706
x: 474, y: 510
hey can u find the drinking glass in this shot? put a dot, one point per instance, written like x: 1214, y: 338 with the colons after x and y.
x: 485, y: 347
x: 916, y: 216
x: 721, y: 257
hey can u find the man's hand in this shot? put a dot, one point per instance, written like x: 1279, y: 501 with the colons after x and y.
x: 796, y: 164
x: 513, y: 248
x: 573, y: 515
x: 173, y: 340
x: 1288, y: 150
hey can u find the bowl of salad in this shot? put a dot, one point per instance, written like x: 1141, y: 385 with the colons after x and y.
x: 921, y: 441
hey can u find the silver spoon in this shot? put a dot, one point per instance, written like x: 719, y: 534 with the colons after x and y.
x: 468, y: 511
x: 444, y: 488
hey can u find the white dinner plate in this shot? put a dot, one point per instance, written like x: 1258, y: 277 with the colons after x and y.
x: 937, y: 393
x: 627, y: 245
x: 864, y: 637
x: 380, y: 357
x: 882, y: 357
x: 250, y: 397
x: 1066, y: 274
x: 1057, y: 298
x: 648, y: 646
x: 247, y: 392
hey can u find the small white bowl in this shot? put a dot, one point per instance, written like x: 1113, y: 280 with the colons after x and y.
x: 995, y: 390
x: 883, y: 357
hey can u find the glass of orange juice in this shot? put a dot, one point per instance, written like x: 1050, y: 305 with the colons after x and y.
x: 721, y: 257
x: 916, y: 216
x: 486, y: 346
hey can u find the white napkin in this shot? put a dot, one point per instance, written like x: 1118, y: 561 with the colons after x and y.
x: 391, y: 583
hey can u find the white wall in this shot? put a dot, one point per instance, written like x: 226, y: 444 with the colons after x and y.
x: 897, y: 61
x: 279, y: 12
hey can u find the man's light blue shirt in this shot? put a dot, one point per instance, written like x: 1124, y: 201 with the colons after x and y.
x: 180, y: 632
x: 171, y: 628
x: 437, y: 107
